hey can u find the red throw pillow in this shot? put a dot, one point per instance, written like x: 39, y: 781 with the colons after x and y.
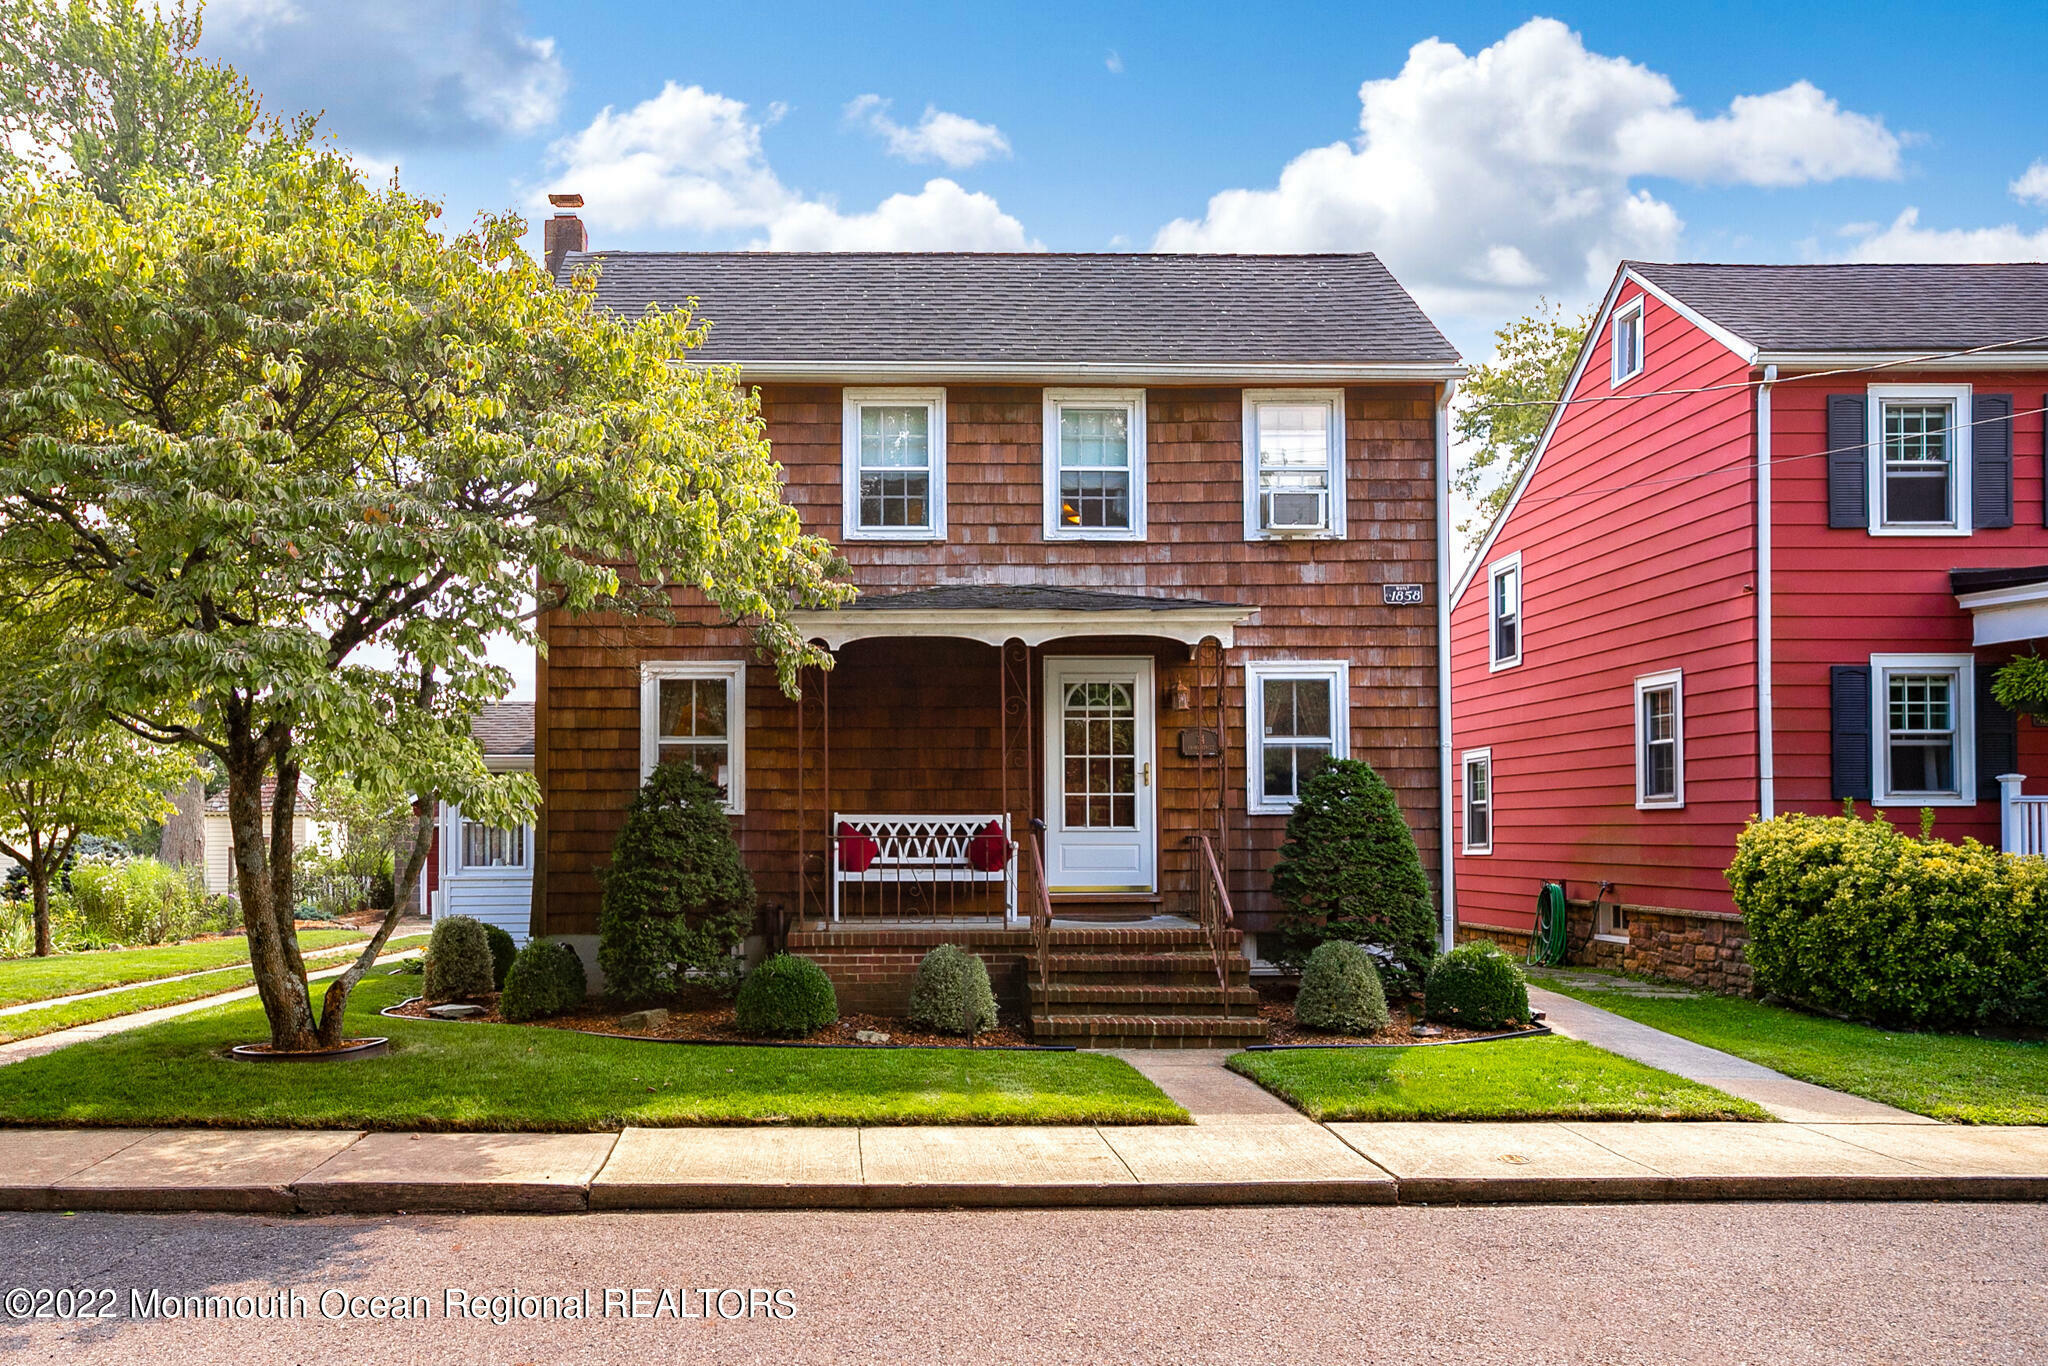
x: 857, y: 852
x: 988, y: 851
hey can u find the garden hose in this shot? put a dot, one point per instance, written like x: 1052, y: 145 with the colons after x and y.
x: 1547, y: 943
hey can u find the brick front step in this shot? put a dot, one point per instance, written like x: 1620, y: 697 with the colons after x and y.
x: 1146, y: 1031
x: 1208, y: 1001
x: 1144, y: 969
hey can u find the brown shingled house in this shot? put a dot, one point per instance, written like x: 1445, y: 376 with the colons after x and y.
x: 1100, y: 508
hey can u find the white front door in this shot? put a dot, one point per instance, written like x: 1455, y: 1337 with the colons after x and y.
x: 1101, y: 816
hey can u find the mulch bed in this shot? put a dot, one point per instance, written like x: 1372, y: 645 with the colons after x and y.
x: 1276, y: 1007
x: 711, y: 1020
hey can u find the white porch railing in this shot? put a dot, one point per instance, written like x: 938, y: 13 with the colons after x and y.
x: 2022, y: 821
x: 918, y: 856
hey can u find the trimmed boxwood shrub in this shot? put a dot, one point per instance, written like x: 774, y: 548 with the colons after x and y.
x: 1857, y: 918
x: 1348, y: 870
x: 786, y: 997
x: 458, y: 960
x: 1341, y: 991
x: 676, y: 897
x: 1478, y: 986
x: 952, y: 992
x: 503, y: 951
x: 546, y: 978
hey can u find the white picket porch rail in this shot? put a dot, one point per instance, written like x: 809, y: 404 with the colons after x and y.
x: 2022, y: 820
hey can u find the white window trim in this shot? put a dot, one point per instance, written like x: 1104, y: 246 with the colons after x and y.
x: 1256, y: 673
x: 1339, y: 458
x: 1465, y: 763
x: 1673, y: 679
x: 1133, y: 402
x: 452, y: 865
x: 1965, y: 667
x: 652, y: 672
x: 1495, y: 663
x: 852, y: 401
x: 1880, y: 394
x: 1637, y: 357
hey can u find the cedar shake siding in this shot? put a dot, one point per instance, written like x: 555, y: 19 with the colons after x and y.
x: 915, y: 723
x: 1638, y: 531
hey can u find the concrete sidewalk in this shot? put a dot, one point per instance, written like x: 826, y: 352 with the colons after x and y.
x: 1223, y: 1163
x: 1799, y: 1102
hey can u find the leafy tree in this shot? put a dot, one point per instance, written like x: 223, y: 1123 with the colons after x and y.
x: 1505, y: 404
x: 103, y: 90
x: 65, y: 772
x: 320, y: 455
x: 1348, y: 870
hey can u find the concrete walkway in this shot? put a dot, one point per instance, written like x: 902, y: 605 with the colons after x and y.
x: 1799, y: 1102
x: 100, y: 1029
x: 332, y: 951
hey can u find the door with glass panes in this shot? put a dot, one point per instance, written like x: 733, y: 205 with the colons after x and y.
x: 1101, y: 811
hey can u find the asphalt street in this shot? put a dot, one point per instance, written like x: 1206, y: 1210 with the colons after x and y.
x: 1779, y: 1283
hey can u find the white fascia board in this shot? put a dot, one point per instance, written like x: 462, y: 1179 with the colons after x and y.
x: 1096, y: 372
x: 2002, y: 616
x: 1594, y: 331
x: 1190, y: 626
x: 1793, y: 362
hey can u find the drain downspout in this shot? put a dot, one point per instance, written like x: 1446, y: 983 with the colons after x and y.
x: 1766, y: 756
x: 1443, y: 657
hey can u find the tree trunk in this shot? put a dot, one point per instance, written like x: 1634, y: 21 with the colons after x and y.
x: 405, y: 896
x: 273, y: 940
x: 184, y: 843
x: 39, y: 884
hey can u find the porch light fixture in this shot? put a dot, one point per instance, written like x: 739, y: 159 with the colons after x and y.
x: 1178, y: 696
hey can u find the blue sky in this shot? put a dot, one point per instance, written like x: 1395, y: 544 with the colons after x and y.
x: 1494, y: 156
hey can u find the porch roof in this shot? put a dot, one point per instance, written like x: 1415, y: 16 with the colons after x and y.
x: 2005, y: 605
x: 1034, y: 614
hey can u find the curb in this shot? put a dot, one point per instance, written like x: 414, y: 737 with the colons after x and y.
x: 420, y: 1197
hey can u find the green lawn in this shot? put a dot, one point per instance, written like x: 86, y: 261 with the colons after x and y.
x: 1956, y: 1077
x: 1541, y: 1078
x: 66, y: 974
x: 26, y: 1024
x: 473, y: 1076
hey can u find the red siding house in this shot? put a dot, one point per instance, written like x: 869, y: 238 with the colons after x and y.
x: 1769, y: 553
x: 1138, y: 540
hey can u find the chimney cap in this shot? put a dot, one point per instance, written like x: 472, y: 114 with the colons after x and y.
x: 566, y: 201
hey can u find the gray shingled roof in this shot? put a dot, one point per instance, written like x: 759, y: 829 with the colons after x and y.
x: 504, y: 728
x: 1865, y: 307
x: 1044, y: 308
x: 993, y: 597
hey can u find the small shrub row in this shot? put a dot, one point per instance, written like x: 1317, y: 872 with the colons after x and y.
x: 951, y: 993
x: 1855, y: 917
x: 1341, y: 992
x: 1477, y: 986
x: 786, y: 997
x: 460, y: 966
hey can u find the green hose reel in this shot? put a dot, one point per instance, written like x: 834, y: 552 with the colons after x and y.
x: 1547, y: 944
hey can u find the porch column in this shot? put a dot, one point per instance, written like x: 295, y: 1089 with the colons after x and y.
x: 2011, y: 831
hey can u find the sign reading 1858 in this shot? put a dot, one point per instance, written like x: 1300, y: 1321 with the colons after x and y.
x: 1401, y: 594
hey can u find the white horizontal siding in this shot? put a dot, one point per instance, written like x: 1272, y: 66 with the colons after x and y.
x: 496, y: 896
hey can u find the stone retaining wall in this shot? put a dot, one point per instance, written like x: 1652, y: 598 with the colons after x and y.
x: 1699, y: 948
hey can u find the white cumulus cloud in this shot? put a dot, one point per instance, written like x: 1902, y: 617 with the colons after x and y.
x: 691, y: 160
x: 1486, y: 177
x: 394, y: 73
x: 952, y: 139
x: 2032, y: 186
x: 1905, y: 240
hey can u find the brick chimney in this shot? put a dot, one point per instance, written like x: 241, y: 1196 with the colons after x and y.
x: 564, y: 232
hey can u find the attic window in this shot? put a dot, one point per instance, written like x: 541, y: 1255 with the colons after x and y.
x: 1628, y: 341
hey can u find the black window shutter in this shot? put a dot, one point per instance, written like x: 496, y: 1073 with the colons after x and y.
x: 1998, y: 737
x: 1991, y: 461
x: 1848, y: 462
x: 1849, y: 689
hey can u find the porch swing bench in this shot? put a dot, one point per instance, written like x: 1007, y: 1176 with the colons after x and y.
x: 933, y: 851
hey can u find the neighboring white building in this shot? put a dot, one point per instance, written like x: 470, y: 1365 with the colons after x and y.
x: 308, y: 831
x: 478, y: 870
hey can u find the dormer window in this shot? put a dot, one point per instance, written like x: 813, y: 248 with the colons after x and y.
x: 1293, y: 463
x: 1628, y: 341
x: 895, y: 456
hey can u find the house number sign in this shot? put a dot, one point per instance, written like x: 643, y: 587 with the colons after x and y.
x: 1401, y: 594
